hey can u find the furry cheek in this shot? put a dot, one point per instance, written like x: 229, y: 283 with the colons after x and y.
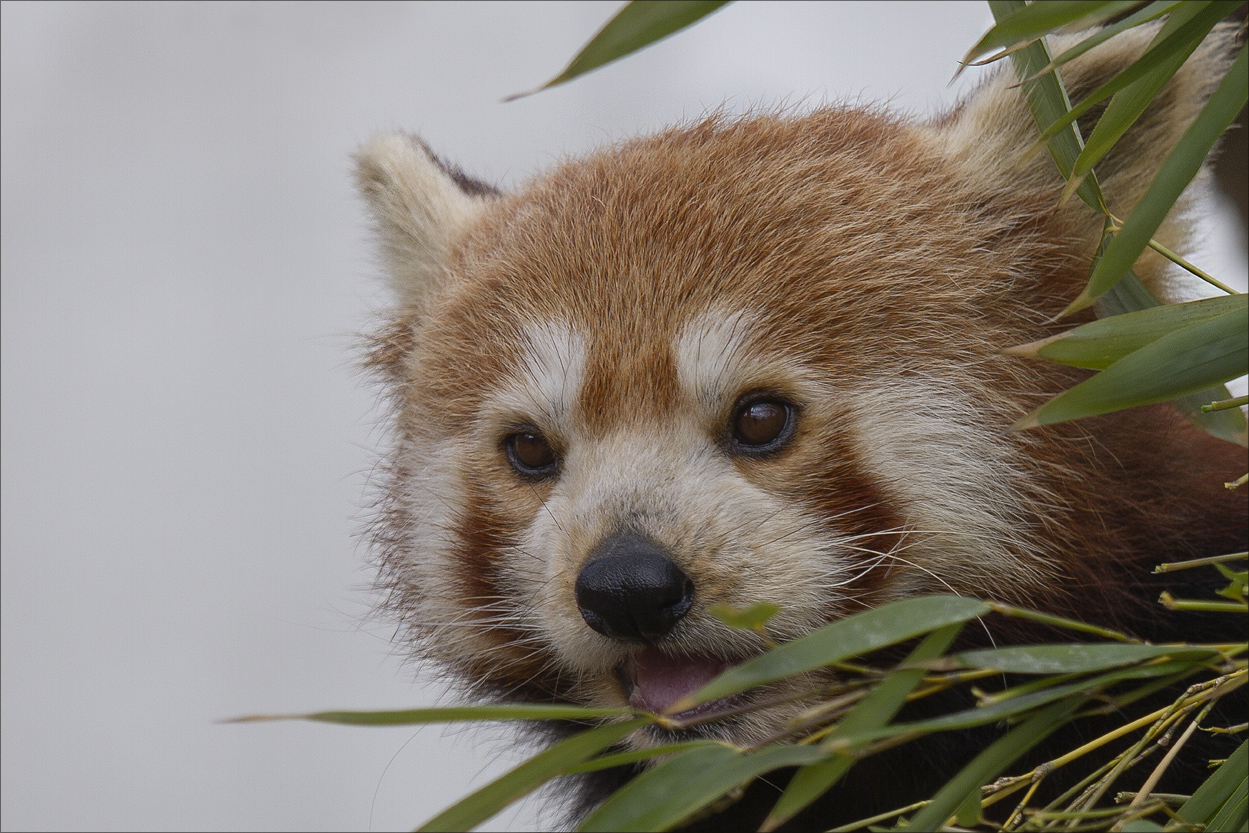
x: 963, y: 489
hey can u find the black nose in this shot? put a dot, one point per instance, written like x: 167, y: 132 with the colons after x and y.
x: 628, y: 589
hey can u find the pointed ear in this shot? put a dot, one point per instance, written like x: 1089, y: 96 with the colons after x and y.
x: 988, y: 135
x: 420, y: 205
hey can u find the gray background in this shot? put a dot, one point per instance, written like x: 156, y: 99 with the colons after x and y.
x: 186, y: 438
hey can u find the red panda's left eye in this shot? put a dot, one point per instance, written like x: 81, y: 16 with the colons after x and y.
x: 761, y: 424
x: 531, y: 454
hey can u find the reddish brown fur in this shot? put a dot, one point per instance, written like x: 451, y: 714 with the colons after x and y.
x: 935, y: 284
x: 873, y: 255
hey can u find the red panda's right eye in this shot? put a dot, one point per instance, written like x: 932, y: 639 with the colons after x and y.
x: 531, y: 454
x: 761, y: 424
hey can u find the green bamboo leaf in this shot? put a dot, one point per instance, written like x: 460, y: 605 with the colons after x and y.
x: 1153, y: 11
x: 1054, y: 621
x: 1047, y: 98
x: 634, y: 756
x: 450, y: 714
x: 1235, y: 590
x: 1130, y: 295
x: 1072, y: 658
x: 1234, y: 814
x: 658, y: 784
x: 968, y: 812
x: 991, y: 762
x: 1159, y: 64
x: 1164, y: 46
x: 533, y: 773
x: 1013, y: 707
x: 751, y: 618
x: 861, y: 633
x: 1048, y: 101
x: 876, y: 710
x: 1177, y: 364
x: 1101, y: 343
x: 1176, y: 172
x: 636, y: 26
x: 665, y: 795
x: 1029, y: 22
x: 1228, y: 424
x: 1215, y: 792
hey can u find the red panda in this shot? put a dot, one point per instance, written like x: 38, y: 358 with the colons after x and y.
x: 759, y: 359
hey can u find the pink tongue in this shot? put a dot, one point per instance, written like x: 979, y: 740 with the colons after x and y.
x: 661, y: 679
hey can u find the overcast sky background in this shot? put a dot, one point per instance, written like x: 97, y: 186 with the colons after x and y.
x: 186, y: 439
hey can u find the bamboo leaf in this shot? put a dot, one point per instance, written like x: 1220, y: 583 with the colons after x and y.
x: 1049, y: 103
x: 858, y: 634
x: 1047, y: 98
x: 451, y: 714
x: 634, y: 756
x: 665, y: 795
x: 968, y: 812
x: 658, y: 784
x: 1235, y: 811
x: 1029, y: 22
x: 1164, y: 46
x: 1158, y: 65
x: 1011, y: 707
x: 636, y: 26
x: 991, y: 762
x: 1177, y: 170
x: 1072, y: 658
x: 1183, y: 362
x: 1130, y: 295
x: 751, y: 618
x: 1215, y: 792
x: 1153, y: 11
x: 875, y: 711
x: 1101, y: 343
x: 1235, y: 590
x: 1228, y: 424
x: 533, y: 773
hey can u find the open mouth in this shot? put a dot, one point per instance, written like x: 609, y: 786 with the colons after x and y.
x: 653, y: 680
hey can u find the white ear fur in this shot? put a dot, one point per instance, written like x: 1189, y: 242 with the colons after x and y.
x: 419, y: 208
x: 989, y: 134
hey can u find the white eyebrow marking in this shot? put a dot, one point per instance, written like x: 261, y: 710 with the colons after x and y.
x: 547, y: 383
x: 709, y: 356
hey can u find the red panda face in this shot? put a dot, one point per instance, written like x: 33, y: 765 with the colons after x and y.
x: 635, y: 403
x: 737, y: 362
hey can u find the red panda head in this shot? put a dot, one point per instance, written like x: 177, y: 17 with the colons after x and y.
x: 740, y: 361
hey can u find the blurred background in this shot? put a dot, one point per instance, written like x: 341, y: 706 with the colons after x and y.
x: 186, y: 436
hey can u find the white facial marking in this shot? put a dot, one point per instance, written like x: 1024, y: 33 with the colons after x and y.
x: 672, y: 481
x: 711, y: 357
x: 544, y: 390
x: 960, y: 485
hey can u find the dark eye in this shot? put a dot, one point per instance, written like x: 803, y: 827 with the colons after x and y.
x: 761, y: 424
x: 531, y: 454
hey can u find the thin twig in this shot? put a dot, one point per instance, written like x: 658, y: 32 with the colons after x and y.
x: 1156, y: 775
x: 861, y: 823
x: 1169, y: 567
